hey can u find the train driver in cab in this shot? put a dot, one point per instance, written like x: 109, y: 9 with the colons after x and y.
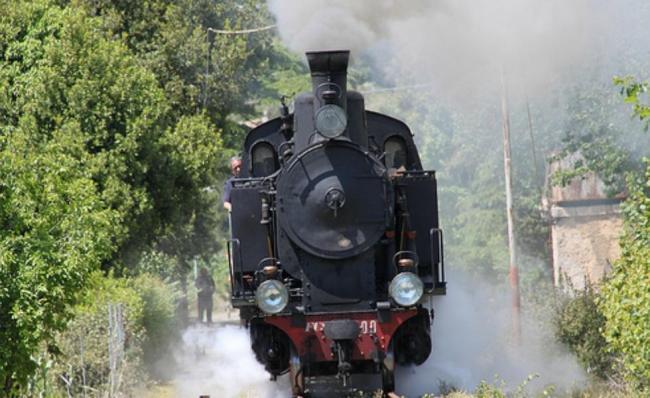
x: 235, y: 168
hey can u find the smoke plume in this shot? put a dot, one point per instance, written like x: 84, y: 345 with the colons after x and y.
x: 465, y: 45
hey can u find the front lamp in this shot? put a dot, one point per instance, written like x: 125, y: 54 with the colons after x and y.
x: 406, y: 289
x: 331, y: 121
x: 272, y: 296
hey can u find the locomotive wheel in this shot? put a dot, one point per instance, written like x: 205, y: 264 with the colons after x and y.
x: 296, y: 374
x: 388, y: 372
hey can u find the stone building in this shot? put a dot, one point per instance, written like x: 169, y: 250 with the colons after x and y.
x: 585, y: 227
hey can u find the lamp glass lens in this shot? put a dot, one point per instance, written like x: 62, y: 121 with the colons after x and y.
x: 331, y: 121
x: 406, y: 289
x: 272, y: 296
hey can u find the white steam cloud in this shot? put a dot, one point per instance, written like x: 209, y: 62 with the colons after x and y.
x: 473, y: 342
x: 219, y: 362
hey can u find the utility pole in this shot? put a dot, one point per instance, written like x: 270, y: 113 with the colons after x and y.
x: 507, y: 167
x: 532, y: 140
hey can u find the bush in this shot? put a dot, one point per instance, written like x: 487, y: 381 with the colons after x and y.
x: 626, y: 295
x: 83, y: 360
x: 578, y: 324
x: 159, y: 322
x: 486, y: 390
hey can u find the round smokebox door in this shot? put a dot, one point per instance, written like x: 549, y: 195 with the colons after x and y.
x: 332, y: 200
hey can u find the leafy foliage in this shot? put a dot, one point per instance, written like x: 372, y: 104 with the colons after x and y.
x: 83, y: 354
x: 81, y: 362
x: 54, y: 231
x: 636, y: 93
x: 100, y: 157
x: 578, y: 324
x: 486, y: 390
x: 626, y: 296
x: 55, y: 225
x: 159, y: 322
x: 211, y: 82
x: 288, y: 80
x: 499, y: 389
x: 590, y: 133
x: 200, y: 71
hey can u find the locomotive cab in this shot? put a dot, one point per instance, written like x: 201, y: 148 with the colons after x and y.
x: 335, y: 241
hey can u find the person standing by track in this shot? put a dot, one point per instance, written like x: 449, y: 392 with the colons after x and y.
x: 205, y: 286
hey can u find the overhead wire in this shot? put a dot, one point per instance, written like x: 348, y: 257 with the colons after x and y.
x: 224, y: 32
x: 242, y: 31
x: 418, y: 86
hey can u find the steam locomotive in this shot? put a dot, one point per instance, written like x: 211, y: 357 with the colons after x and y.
x: 335, y: 244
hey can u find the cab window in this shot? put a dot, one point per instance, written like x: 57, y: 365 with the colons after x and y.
x: 265, y: 161
x: 395, y: 152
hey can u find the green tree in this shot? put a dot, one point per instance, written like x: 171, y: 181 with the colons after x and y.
x: 198, y: 69
x: 591, y: 133
x: 55, y: 227
x: 115, y: 122
x: 211, y: 84
x: 54, y: 231
x: 94, y: 162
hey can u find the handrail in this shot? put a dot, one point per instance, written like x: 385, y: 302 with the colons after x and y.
x: 231, y: 264
x: 418, y: 172
x: 440, y: 261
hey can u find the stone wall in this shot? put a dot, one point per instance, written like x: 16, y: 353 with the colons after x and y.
x: 584, y: 242
x: 585, y: 227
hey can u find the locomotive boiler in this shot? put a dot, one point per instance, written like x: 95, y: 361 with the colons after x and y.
x: 335, y: 244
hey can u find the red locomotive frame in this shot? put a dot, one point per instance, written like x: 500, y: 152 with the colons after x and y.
x: 310, y: 340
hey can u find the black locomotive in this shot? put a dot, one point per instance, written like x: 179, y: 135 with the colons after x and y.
x: 335, y: 239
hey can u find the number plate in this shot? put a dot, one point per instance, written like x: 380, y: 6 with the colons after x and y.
x: 365, y: 326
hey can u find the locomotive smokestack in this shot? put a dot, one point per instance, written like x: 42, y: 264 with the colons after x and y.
x: 330, y: 111
x: 329, y: 76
